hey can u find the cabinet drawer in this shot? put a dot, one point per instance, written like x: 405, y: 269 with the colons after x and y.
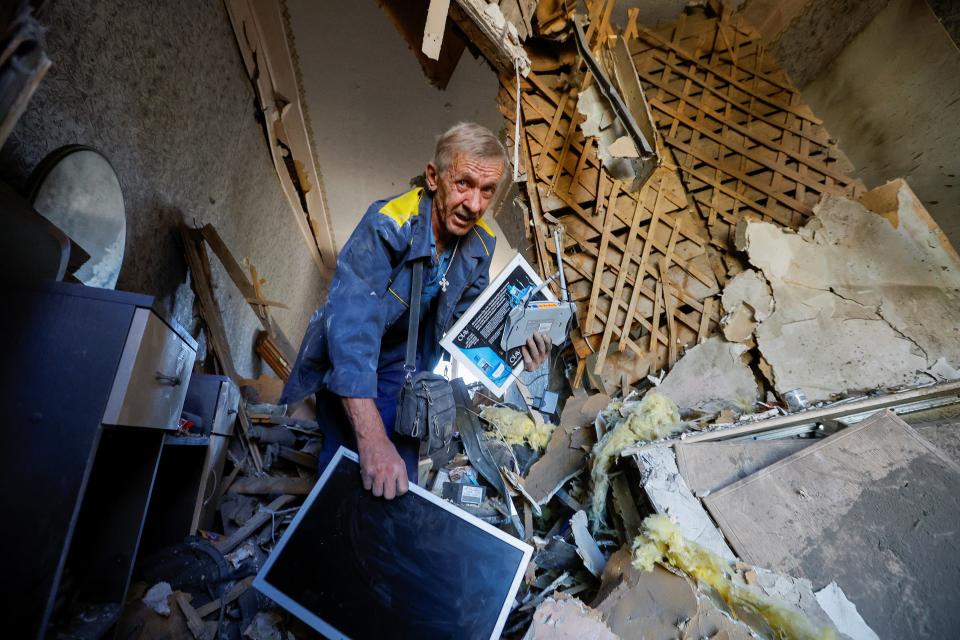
x: 152, y: 377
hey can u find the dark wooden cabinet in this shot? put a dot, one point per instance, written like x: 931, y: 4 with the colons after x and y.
x: 91, y: 382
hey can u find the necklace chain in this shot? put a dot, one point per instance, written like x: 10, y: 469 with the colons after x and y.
x: 444, y: 283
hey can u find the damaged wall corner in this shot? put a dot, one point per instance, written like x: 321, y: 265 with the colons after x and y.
x: 850, y: 280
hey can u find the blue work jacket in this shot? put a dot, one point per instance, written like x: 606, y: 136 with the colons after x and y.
x: 362, y: 328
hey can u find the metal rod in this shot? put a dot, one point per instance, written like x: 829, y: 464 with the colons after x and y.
x: 558, y: 243
x: 812, y: 417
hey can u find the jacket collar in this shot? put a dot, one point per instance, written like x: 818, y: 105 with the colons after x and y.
x: 421, y: 228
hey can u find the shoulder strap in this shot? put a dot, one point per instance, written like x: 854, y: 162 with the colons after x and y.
x: 410, y: 366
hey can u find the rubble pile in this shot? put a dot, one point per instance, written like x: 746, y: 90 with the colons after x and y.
x: 716, y: 460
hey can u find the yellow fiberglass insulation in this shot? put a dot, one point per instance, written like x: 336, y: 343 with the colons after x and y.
x: 516, y: 427
x: 653, y: 418
x: 662, y: 541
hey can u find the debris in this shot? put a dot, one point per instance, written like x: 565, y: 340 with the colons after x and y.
x: 710, y: 377
x: 268, y: 485
x: 796, y: 400
x: 650, y: 419
x: 851, y: 280
x: 563, y: 578
x: 879, y: 466
x: 262, y: 517
x: 260, y: 34
x: 463, y: 494
x: 497, y: 38
x: 566, y: 453
x: 194, y: 621
x: 557, y: 555
x: 587, y: 547
x: 626, y: 506
x: 515, y: 427
x: 748, y: 289
x: 565, y: 618
x: 235, y: 592
x: 710, y: 466
x: 157, y: 598
x: 622, y: 115
x: 656, y: 604
x: 237, y: 557
x: 662, y: 541
x: 669, y: 494
x: 844, y: 613
x: 264, y: 627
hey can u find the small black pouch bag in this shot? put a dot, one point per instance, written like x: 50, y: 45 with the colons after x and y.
x: 426, y: 409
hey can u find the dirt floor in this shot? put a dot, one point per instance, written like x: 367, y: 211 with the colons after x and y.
x: 160, y: 89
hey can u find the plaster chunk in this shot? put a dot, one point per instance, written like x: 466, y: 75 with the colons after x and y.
x: 711, y: 377
x: 863, y: 298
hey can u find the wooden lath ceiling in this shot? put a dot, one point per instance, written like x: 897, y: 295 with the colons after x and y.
x: 645, y: 268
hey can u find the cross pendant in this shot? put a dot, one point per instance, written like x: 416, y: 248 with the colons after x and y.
x: 444, y: 283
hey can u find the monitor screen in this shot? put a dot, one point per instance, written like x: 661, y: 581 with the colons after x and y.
x: 352, y: 565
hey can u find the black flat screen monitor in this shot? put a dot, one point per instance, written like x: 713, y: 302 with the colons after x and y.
x: 352, y: 565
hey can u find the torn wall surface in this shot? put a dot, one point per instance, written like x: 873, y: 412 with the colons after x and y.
x: 863, y: 298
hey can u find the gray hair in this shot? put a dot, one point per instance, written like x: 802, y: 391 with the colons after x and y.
x: 470, y: 139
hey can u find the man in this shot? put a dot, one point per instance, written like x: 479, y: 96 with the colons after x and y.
x: 353, y: 352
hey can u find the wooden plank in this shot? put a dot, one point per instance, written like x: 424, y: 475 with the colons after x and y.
x: 409, y: 19
x: 268, y: 485
x: 235, y: 592
x: 305, y: 460
x: 540, y: 231
x: 194, y: 621
x: 249, y: 290
x: 656, y: 336
x: 554, y: 123
x: 871, y: 501
x: 489, y: 38
x: 245, y: 437
x: 262, y: 517
x: 571, y: 131
x: 202, y: 280
x: 434, y: 28
x: 260, y: 302
x: 618, y: 287
x: 631, y: 31
x: 641, y: 274
x: 608, y: 217
x: 705, y: 320
x: 668, y: 294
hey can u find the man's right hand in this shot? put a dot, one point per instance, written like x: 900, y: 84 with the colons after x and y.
x: 381, y: 467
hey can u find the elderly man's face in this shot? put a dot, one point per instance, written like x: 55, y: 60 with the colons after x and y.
x: 463, y: 192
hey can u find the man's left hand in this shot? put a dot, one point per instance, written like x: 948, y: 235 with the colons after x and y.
x: 535, y: 351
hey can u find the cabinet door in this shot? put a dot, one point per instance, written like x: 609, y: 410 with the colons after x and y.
x: 152, y: 377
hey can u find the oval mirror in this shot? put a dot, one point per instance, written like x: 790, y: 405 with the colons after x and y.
x: 76, y: 189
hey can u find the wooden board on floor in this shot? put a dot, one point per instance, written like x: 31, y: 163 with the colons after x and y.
x: 873, y: 507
